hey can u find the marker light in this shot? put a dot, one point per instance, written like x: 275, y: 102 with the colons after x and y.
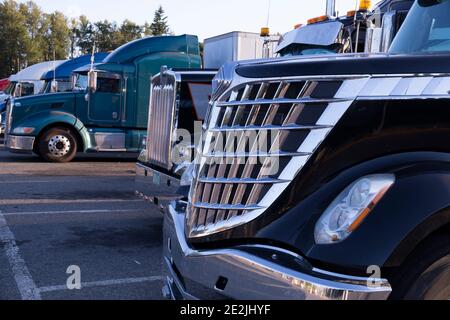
x: 318, y: 19
x: 351, y: 207
x: 365, y: 5
x: 298, y: 26
x: 265, y: 32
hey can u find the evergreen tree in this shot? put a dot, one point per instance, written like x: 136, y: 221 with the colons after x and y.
x: 147, y: 30
x: 160, y: 26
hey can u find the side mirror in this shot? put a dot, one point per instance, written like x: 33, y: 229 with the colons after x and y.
x: 92, y: 81
x: 73, y: 81
x: 373, y: 40
x: 54, y: 86
x: 388, y: 32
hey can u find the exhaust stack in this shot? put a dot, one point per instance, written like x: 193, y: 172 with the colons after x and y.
x: 331, y: 8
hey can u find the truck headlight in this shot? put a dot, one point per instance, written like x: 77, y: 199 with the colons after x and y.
x: 351, y: 207
x: 23, y: 130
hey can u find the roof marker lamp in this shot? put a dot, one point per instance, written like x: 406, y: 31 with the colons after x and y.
x: 318, y: 19
x: 351, y: 208
x: 365, y: 5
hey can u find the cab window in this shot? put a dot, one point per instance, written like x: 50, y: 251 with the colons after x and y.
x: 26, y: 89
x: 108, y: 84
x: 426, y: 29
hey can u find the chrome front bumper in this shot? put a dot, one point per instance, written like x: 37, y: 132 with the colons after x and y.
x: 251, y: 272
x: 156, y: 187
x: 21, y: 144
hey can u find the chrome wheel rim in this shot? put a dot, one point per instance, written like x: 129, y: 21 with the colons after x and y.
x: 59, y: 146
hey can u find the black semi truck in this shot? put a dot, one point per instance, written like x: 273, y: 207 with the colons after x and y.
x: 323, y: 178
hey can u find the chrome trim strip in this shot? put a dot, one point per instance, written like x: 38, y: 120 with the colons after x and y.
x: 415, y: 97
x: 240, y: 181
x: 267, y: 128
x: 277, y: 101
x: 254, y: 154
x: 225, y: 206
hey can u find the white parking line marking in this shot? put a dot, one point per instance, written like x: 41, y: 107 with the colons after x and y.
x: 103, y: 283
x: 66, y: 180
x: 24, y: 181
x: 25, y: 283
x: 8, y: 202
x: 35, y: 213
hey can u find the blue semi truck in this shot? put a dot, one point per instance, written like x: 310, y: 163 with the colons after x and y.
x: 60, y: 79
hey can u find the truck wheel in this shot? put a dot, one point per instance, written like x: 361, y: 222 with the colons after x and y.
x: 58, y: 145
x: 426, y: 275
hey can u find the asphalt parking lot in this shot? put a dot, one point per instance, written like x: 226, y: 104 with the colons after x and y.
x: 81, y: 215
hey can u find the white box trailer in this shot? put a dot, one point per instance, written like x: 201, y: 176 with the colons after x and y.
x: 235, y: 46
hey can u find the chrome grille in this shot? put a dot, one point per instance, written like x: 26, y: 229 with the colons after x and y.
x: 258, y: 138
x: 161, y: 121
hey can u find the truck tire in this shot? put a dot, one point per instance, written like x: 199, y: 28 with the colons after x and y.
x: 58, y: 145
x: 426, y: 275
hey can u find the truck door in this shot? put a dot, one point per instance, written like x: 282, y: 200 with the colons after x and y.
x: 105, y: 103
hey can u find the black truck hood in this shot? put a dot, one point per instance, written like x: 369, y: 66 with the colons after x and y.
x: 346, y: 64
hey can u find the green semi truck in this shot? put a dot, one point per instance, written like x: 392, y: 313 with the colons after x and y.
x: 106, y: 111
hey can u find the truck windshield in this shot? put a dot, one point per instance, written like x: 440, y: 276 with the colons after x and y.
x: 426, y: 29
x: 10, y: 89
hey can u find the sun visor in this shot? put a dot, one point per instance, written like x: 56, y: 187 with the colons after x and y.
x: 320, y: 34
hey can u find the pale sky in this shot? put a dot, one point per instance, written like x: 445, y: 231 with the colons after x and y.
x: 204, y: 18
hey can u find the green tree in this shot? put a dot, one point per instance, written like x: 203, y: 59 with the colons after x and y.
x: 146, y: 29
x: 85, y: 35
x: 34, y: 40
x: 107, y: 35
x: 129, y: 31
x: 73, y: 37
x: 56, y: 37
x: 160, y: 26
x: 13, y: 38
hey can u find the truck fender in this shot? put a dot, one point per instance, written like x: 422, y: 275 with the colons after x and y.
x: 416, y: 206
x: 44, y: 120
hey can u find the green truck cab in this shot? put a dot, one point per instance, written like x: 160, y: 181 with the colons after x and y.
x: 107, y: 110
